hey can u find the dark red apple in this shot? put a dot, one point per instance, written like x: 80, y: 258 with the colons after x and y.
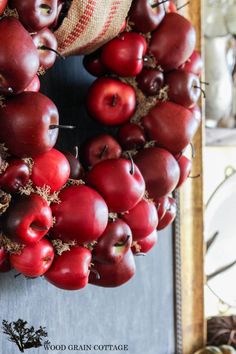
x: 46, y: 44
x: 33, y: 260
x: 82, y: 215
x: 50, y: 169
x: 114, y: 243
x: 124, y: 54
x: 150, y: 81
x: 28, y: 124
x: 173, y: 42
x: 19, y: 60
x: 185, y: 166
x: 111, y: 101
x: 120, y: 183
x: 113, y: 275
x: 71, y: 270
x: 160, y: 171
x: 171, y: 125
x: 183, y: 87
x: 76, y: 168
x: 145, y: 244
x: 131, y: 136
x: 27, y: 219
x: 36, y: 14
x: 15, y: 176
x: 169, y: 216
x: 142, y: 219
x: 145, y: 16
x: 162, y: 204
x: 100, y: 147
x: 93, y: 64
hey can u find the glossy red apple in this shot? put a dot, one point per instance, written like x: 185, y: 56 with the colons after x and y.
x: 169, y: 216
x: 46, y: 44
x: 113, y: 275
x: 100, y: 147
x: 71, y: 270
x: 162, y: 204
x: 28, y: 124
x: 50, y: 169
x: 145, y: 244
x: 185, y: 166
x: 172, y: 47
x: 34, y: 86
x: 142, y: 219
x: 162, y: 179
x: 36, y: 14
x: 76, y: 168
x: 120, y: 183
x: 124, y: 54
x: 111, y: 101
x: 183, y: 88
x: 131, y: 136
x: 27, y: 219
x: 150, y: 81
x: 34, y: 260
x: 82, y: 215
x: 93, y: 64
x: 16, y: 175
x: 171, y: 125
x: 145, y: 16
x: 3, y: 4
x: 114, y: 243
x: 194, y: 64
x: 19, y: 61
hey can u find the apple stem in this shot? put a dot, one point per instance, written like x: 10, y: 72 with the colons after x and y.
x: 76, y: 151
x: 104, y: 150
x: 132, y: 163
x: 182, y: 6
x: 153, y: 6
x: 58, y: 126
x: 204, y: 83
x: 46, y: 7
x: 140, y: 254
x: 94, y: 271
x: 120, y: 244
x: 6, y: 90
x: 44, y: 47
x: 202, y: 91
x: 193, y: 177
x: 114, y: 100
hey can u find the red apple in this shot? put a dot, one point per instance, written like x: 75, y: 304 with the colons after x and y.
x: 124, y: 54
x: 15, y: 176
x: 145, y: 16
x: 150, y: 81
x: 194, y: 64
x: 82, y: 215
x: 171, y: 125
x: 169, y: 216
x: 34, y: 86
x: 76, y: 168
x: 100, y: 147
x: 36, y: 14
x: 50, y: 169
x: 28, y: 124
x: 185, y: 166
x: 111, y: 101
x: 34, y: 260
x: 114, y: 243
x: 145, y: 244
x: 131, y: 136
x: 113, y: 275
x: 120, y: 183
x: 19, y: 61
x: 46, y: 44
x: 173, y: 42
x: 27, y: 219
x: 162, y: 204
x: 162, y: 179
x: 93, y: 64
x: 70, y: 271
x: 142, y: 219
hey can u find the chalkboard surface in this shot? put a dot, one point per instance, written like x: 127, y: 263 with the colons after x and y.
x: 138, y: 315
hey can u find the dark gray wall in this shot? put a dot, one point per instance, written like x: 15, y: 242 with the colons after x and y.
x: 139, y: 314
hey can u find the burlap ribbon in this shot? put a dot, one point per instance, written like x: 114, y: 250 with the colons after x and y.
x: 89, y: 24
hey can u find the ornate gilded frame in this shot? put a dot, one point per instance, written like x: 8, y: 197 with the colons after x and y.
x: 189, y: 243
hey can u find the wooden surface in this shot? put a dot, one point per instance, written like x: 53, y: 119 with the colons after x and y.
x: 139, y: 314
x: 192, y: 247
